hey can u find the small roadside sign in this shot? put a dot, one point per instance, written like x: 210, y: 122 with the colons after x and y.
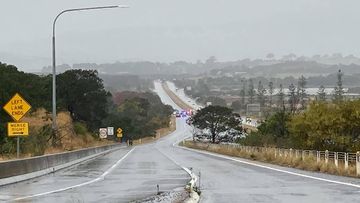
x: 18, y: 129
x: 17, y: 107
x: 119, y: 132
x: 103, y: 133
x: 110, y: 131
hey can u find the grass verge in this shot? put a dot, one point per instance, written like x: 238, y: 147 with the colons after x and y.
x: 308, y: 163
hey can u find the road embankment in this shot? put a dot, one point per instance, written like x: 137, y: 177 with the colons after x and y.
x: 175, y: 98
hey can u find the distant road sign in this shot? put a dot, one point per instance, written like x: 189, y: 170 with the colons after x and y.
x: 17, y: 107
x: 119, y: 132
x: 18, y: 129
x: 103, y: 133
x: 110, y: 131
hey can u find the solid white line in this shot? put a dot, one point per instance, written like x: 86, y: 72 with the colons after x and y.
x: 270, y: 168
x: 101, y: 177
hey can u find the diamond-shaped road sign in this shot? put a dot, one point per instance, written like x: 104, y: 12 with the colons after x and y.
x: 119, y: 132
x: 17, y: 107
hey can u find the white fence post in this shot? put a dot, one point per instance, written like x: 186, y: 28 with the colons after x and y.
x: 326, y: 156
x: 346, y: 163
x: 296, y: 153
x: 358, y: 163
x: 275, y: 151
x: 318, y: 156
x: 291, y: 153
x: 336, y: 156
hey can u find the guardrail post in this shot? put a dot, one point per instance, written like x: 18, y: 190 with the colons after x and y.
x: 326, y: 156
x: 358, y: 163
x: 346, y: 158
x: 336, y: 157
x: 317, y: 156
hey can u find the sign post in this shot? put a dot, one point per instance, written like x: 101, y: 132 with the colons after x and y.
x: 17, y: 107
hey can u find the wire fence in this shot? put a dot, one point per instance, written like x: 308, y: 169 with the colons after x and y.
x: 339, y: 159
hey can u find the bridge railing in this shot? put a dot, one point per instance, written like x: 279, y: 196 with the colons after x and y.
x: 341, y: 160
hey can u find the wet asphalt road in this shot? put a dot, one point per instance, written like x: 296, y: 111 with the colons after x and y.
x: 136, y: 177
x: 222, y: 180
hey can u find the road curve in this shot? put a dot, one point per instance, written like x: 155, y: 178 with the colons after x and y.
x: 133, y: 173
x: 227, y: 179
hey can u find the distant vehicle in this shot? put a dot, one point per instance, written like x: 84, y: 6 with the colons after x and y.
x: 178, y: 115
x: 248, y: 120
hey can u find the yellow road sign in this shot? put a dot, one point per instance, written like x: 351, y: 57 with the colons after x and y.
x: 17, y: 107
x: 119, y: 132
x: 18, y: 129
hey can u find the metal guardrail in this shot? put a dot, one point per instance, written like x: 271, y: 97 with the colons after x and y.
x: 339, y: 159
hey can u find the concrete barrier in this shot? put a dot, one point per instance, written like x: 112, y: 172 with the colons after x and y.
x: 24, y: 169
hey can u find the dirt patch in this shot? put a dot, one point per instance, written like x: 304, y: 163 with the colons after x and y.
x: 69, y: 139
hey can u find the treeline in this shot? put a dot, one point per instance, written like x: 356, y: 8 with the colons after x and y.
x: 82, y: 93
x: 267, y: 94
x: 323, y: 126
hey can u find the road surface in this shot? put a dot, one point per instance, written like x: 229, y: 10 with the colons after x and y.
x: 240, y: 180
x: 133, y: 173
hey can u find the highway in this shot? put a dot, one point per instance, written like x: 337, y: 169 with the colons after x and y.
x: 226, y: 179
x: 133, y: 173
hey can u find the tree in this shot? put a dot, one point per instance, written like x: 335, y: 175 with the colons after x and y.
x: 321, y: 93
x: 301, y: 91
x: 281, y: 97
x: 243, y: 94
x: 251, y: 91
x: 339, y: 90
x: 82, y: 93
x: 217, y: 123
x: 271, y: 92
x: 236, y: 105
x: 292, y: 98
x: 272, y: 132
x: 261, y: 91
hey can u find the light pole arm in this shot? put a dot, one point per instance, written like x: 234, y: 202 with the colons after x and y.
x: 54, y: 127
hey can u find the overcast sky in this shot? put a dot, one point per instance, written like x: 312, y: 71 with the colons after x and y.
x: 170, y: 30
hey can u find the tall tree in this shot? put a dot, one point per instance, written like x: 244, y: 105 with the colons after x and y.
x: 251, y: 91
x: 271, y: 92
x: 217, y: 123
x: 301, y: 91
x: 339, y: 90
x: 321, y: 93
x: 261, y: 91
x: 82, y: 93
x: 281, y: 97
x: 292, y: 98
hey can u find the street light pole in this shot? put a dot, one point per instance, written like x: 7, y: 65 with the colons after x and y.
x: 54, y: 126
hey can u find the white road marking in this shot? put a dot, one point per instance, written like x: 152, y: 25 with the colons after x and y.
x: 270, y: 168
x: 101, y: 177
